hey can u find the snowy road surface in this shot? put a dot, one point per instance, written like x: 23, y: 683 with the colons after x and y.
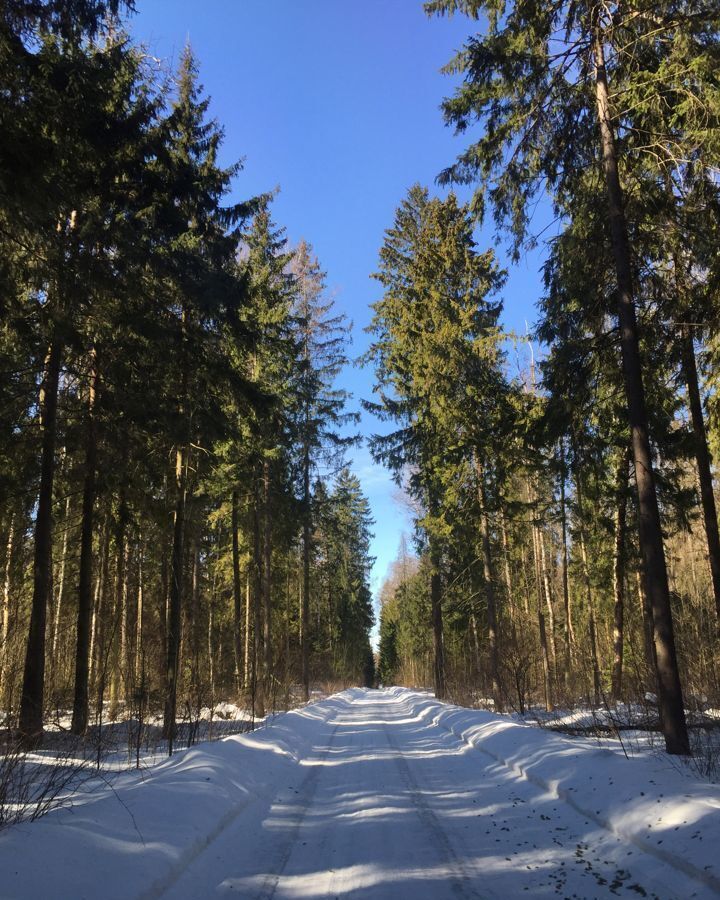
x: 385, y: 794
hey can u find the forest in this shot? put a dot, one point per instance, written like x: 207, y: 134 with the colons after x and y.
x: 179, y: 525
x: 179, y: 520
x: 566, y: 510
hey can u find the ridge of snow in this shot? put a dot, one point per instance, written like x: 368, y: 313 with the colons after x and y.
x: 145, y: 829
x: 642, y: 800
x: 136, y: 838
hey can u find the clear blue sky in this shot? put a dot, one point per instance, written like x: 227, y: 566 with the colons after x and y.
x: 336, y: 102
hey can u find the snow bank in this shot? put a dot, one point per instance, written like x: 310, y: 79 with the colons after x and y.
x: 133, y: 838
x: 649, y: 801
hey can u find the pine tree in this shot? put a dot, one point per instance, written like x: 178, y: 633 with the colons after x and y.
x: 544, y: 82
x: 85, y: 92
x: 321, y: 340
x: 436, y: 364
x: 200, y: 285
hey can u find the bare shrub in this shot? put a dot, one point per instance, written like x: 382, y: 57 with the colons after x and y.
x: 32, y: 783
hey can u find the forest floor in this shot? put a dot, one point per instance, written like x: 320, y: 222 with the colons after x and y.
x: 383, y: 794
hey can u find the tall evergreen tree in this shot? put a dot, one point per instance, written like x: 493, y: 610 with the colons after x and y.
x: 269, y: 364
x: 545, y: 82
x: 320, y: 411
x: 349, y: 564
x: 93, y: 114
x: 200, y: 286
x: 436, y: 363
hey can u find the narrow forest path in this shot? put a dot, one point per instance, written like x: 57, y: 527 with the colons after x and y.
x: 390, y: 804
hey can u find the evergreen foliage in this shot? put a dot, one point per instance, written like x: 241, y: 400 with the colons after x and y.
x: 612, y: 111
x: 170, y: 366
x: 438, y: 368
x: 178, y: 521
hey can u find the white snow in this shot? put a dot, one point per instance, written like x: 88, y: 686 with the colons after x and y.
x: 382, y: 794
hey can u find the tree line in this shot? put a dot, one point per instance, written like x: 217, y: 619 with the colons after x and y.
x: 566, y: 513
x: 177, y: 519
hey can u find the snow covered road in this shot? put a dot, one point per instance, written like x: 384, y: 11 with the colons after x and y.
x: 383, y: 794
x: 356, y: 822
x: 390, y: 804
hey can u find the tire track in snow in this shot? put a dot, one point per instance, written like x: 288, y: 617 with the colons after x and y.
x: 163, y: 885
x: 459, y: 877
x: 306, y: 794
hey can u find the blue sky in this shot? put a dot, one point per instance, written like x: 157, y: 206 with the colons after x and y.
x: 336, y: 103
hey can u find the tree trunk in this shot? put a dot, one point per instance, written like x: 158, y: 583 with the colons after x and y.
x: 174, y: 623
x: 237, y: 596
x: 619, y: 575
x: 61, y: 584
x: 703, y: 461
x: 547, y: 681
x: 211, y: 649
x: 85, y: 596
x: 437, y: 622
x: 547, y: 586
x: 526, y: 579
x: 96, y: 637
x: 163, y: 598
x: 124, y: 669
x: 194, y: 630
x: 5, y: 618
x: 648, y: 630
x: 650, y: 530
x: 506, y: 570
x: 118, y: 642
x: 305, y: 606
x: 248, y: 632
x: 489, y: 579
x: 267, y: 584
x: 569, y: 632
x: 288, y: 619
x: 589, y: 597
x: 31, y: 704
x: 139, y: 667
x: 257, y: 655
x: 475, y: 643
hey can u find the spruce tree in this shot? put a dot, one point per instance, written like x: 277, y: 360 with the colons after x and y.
x: 349, y: 564
x: 91, y: 118
x: 199, y: 245
x: 321, y: 338
x: 437, y: 367
x: 269, y: 366
x: 546, y: 83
